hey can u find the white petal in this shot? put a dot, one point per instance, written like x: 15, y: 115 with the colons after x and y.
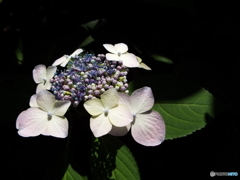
x: 76, y: 52
x: 149, y: 129
x: 32, y: 122
x: 64, y: 63
x: 59, y: 60
x: 48, y: 85
x: 142, y: 100
x: 61, y: 107
x: 46, y: 100
x: 33, y: 101
x: 121, y: 47
x: 94, y: 106
x: 39, y: 73
x: 129, y: 60
x: 40, y: 87
x: 57, y: 127
x: 50, y: 72
x: 120, y: 116
x: 120, y: 131
x: 110, y: 48
x: 112, y: 57
x: 110, y: 98
x: 100, y: 125
x: 125, y: 100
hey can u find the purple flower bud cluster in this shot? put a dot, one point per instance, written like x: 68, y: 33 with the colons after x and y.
x: 88, y: 76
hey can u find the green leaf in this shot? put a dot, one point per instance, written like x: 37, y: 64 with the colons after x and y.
x: 184, y: 105
x: 71, y: 174
x: 161, y: 58
x: 111, y: 159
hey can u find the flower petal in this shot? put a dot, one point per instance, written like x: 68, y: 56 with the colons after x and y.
x: 32, y: 122
x: 110, y: 48
x: 57, y: 127
x: 125, y: 100
x: 64, y: 63
x: 59, y: 60
x: 110, y: 98
x: 148, y: 129
x: 120, y: 116
x: 50, y: 72
x: 100, y: 125
x: 112, y: 57
x: 33, y: 101
x: 61, y: 107
x: 129, y: 60
x: 76, y: 52
x: 39, y: 73
x: 142, y: 100
x: 46, y: 100
x: 40, y: 87
x: 121, y: 47
x: 94, y: 106
x: 48, y: 85
x: 120, y: 131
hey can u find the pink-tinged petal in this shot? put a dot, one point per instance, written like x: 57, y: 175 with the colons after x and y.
x: 33, y: 101
x: 142, y: 100
x: 51, y: 71
x: 39, y: 73
x: 76, y: 52
x: 110, y: 48
x: 120, y: 131
x: 59, y: 60
x: 46, y: 101
x: 121, y: 47
x: 148, y: 129
x: 40, y: 87
x: 57, y: 127
x: 112, y: 57
x: 32, y: 122
x: 94, y: 106
x: 100, y: 125
x: 61, y: 107
x: 129, y: 60
x: 120, y: 116
x: 110, y: 98
x: 125, y: 100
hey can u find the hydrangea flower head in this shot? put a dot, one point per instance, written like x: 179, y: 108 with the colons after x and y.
x: 62, y: 61
x: 45, y: 116
x: 147, y: 127
x: 118, y: 52
x: 42, y: 76
x: 106, y: 112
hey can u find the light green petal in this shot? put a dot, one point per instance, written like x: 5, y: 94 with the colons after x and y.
x: 94, y: 106
x: 61, y: 107
x: 110, y: 98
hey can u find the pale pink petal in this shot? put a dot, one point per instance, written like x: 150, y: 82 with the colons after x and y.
x: 120, y: 131
x: 148, y: 129
x: 40, y: 87
x: 121, y: 47
x: 59, y: 60
x: 129, y: 60
x: 33, y: 101
x: 51, y: 71
x: 32, y: 122
x: 39, y: 73
x: 112, y: 57
x: 57, y: 127
x: 100, y: 125
x: 94, y: 106
x: 76, y: 52
x: 46, y: 101
x: 110, y: 48
x: 110, y: 98
x: 61, y: 107
x: 125, y: 100
x: 142, y: 100
x: 120, y: 116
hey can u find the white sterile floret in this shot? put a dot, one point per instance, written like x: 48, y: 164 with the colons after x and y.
x: 62, y: 61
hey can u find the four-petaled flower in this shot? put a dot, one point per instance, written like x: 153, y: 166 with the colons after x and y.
x: 119, y: 53
x: 62, y: 61
x: 45, y: 116
x: 147, y: 127
x: 106, y: 112
x: 42, y: 76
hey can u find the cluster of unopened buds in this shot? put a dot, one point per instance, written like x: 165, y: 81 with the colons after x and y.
x: 101, y: 83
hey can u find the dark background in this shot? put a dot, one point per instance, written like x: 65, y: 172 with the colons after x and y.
x: 200, y: 37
